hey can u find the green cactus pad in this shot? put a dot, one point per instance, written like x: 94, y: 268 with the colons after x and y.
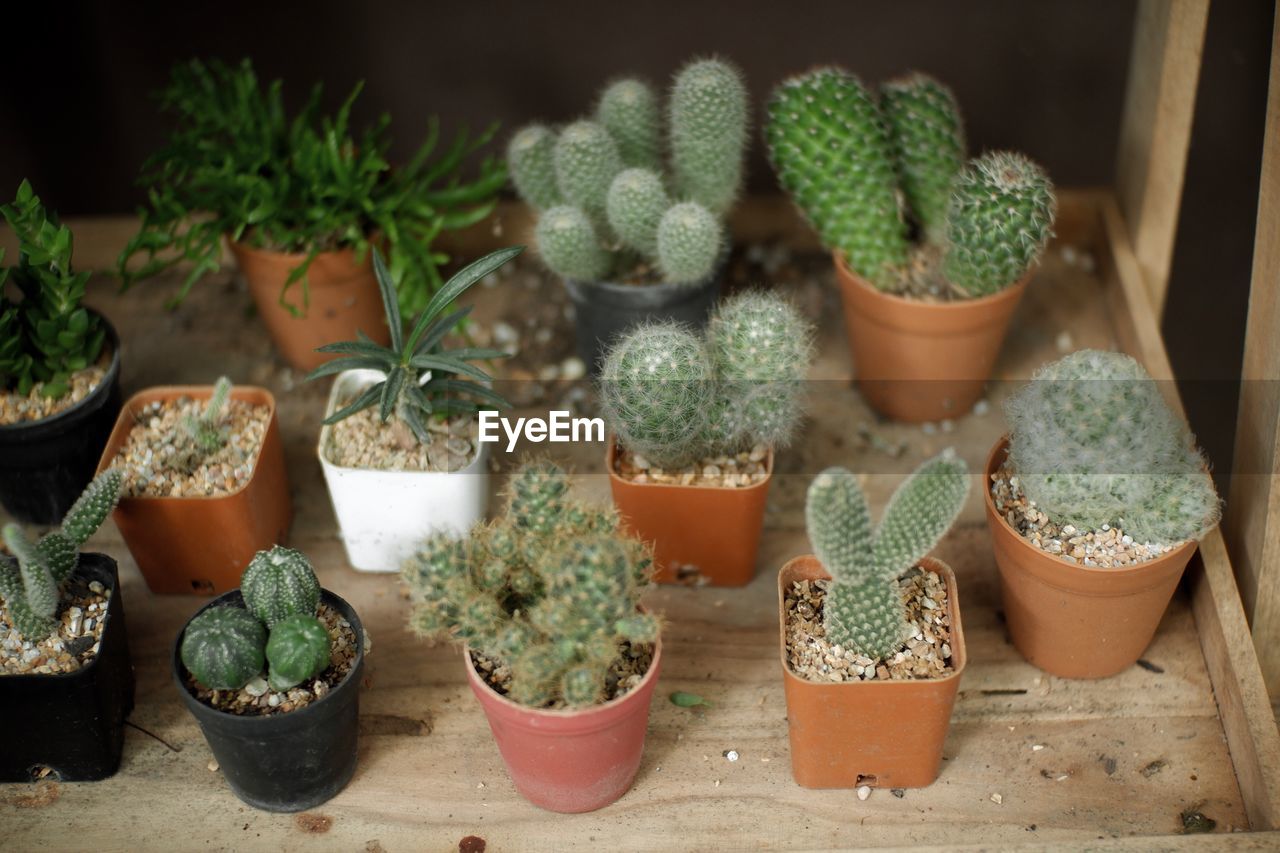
x: 570, y: 245
x: 628, y: 109
x: 531, y: 161
x: 223, y: 647
x: 635, y: 205
x: 278, y: 584
x: 92, y: 507
x: 298, y: 649
x: 59, y: 553
x: 708, y: 120
x: 587, y: 160
x: 29, y: 624
x: 928, y: 142
x: 689, y: 241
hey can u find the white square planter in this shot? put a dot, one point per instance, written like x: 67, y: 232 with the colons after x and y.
x: 384, y: 515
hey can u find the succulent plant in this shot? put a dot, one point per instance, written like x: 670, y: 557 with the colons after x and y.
x: 927, y: 136
x: 201, y: 436
x: 570, y: 244
x: 298, y: 649
x: 864, y: 609
x: 708, y: 114
x: 223, y: 647
x: 629, y: 110
x: 531, y: 159
x: 636, y: 203
x: 552, y: 590
x: 587, y: 161
x: 279, y: 584
x: 31, y: 581
x: 689, y: 240
x: 406, y: 391
x: 1093, y: 442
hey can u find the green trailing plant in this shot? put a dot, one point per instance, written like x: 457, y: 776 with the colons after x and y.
x: 238, y: 165
x: 422, y: 379
x: 46, y: 334
x: 864, y: 609
x: 552, y: 590
x: 674, y: 397
x: 847, y: 157
x: 31, y: 581
x: 201, y: 436
x: 1092, y: 443
x: 226, y: 647
x: 605, y: 201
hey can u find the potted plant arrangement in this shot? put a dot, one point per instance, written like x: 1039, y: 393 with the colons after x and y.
x: 204, y: 485
x: 695, y: 420
x: 871, y: 642
x: 633, y: 240
x: 400, y: 444
x: 66, y: 679
x: 300, y: 200
x: 271, y: 672
x: 928, y: 291
x: 1095, y: 500
x: 59, y: 370
x: 558, y: 651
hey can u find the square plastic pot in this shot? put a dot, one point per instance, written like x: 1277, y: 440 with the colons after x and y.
x: 384, y: 515
x: 200, y: 545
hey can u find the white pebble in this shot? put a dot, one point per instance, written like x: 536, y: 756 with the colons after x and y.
x: 732, y: 755
x: 256, y: 687
x: 997, y: 799
x: 981, y: 408
x: 864, y: 792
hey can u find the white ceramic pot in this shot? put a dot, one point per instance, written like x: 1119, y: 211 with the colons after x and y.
x: 384, y: 515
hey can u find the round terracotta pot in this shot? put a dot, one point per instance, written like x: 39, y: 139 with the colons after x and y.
x: 674, y: 518
x: 884, y: 734
x: 1071, y: 620
x: 570, y: 760
x: 200, y: 545
x: 343, y: 299
x: 921, y: 361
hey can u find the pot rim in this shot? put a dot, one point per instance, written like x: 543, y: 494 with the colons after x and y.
x: 170, y: 392
x: 958, y: 645
x: 1001, y: 445
x: 611, y: 457
x: 95, y: 397
x: 1012, y: 291
x: 177, y: 668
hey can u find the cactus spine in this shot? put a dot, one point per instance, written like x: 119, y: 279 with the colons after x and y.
x: 708, y: 133
x: 629, y: 110
x: 863, y: 609
x: 531, y: 155
x: 587, y: 161
x: 1093, y: 442
x: 297, y: 650
x: 279, y: 584
x: 637, y: 200
x: 201, y: 436
x: 570, y: 245
x: 223, y: 647
x: 688, y: 242
x: 928, y: 142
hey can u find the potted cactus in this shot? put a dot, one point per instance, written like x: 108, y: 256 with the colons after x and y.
x: 400, y: 446
x: 66, y: 679
x: 695, y: 421
x: 631, y: 239
x: 204, y: 485
x: 59, y: 369
x: 1095, y: 501
x: 929, y: 284
x: 300, y: 200
x: 271, y: 672
x: 871, y: 644
x: 558, y: 651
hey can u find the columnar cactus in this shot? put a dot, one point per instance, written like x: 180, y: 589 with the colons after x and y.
x: 708, y: 114
x: 298, y: 649
x: 558, y: 603
x: 928, y: 141
x: 629, y: 110
x: 1093, y: 442
x: 279, y: 584
x: 31, y: 582
x: 223, y: 647
x: 531, y: 157
x: 587, y: 161
x: 1001, y: 218
x: 863, y: 609
x: 199, y: 437
x: 635, y: 205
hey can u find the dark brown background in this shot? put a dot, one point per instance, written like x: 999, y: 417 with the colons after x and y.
x: 1043, y: 77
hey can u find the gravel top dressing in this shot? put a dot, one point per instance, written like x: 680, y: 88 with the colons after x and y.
x: 34, y: 406
x: 724, y: 472
x: 364, y: 441
x: 81, y: 621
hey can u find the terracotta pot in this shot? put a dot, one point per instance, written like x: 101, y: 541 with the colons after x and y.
x: 572, y: 760
x: 920, y: 361
x: 343, y: 299
x: 884, y: 734
x: 677, y: 520
x: 1071, y: 620
x: 200, y: 545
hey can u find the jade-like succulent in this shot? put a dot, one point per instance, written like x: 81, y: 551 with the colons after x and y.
x: 927, y: 136
x: 223, y: 647
x: 31, y: 581
x: 864, y: 609
x: 201, y: 436
x: 297, y: 650
x: 552, y: 590
x: 1093, y: 442
x: 279, y: 584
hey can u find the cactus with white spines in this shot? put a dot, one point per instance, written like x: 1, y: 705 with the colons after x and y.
x: 531, y: 158
x: 689, y: 240
x: 279, y: 584
x: 587, y: 161
x: 630, y: 111
x: 708, y: 116
x: 864, y: 609
x: 636, y: 203
x: 571, y: 246
x: 927, y: 136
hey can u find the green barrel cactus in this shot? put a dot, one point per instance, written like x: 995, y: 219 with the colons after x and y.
x: 570, y: 245
x: 222, y: 648
x: 864, y: 609
x: 689, y: 240
x: 587, y: 161
x: 708, y: 118
x: 629, y: 110
x: 1000, y: 219
x: 531, y: 159
x: 279, y: 584
x: 928, y: 141
x: 298, y: 650
x: 635, y: 206
x: 1093, y: 442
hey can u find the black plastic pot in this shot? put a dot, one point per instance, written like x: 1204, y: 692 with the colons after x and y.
x: 45, y: 464
x: 285, y: 762
x: 604, y: 310
x: 72, y: 723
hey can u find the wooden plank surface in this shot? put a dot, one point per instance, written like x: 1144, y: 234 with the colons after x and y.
x: 1121, y: 757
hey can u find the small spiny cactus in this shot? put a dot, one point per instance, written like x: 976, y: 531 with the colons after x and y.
x: 531, y: 156
x: 637, y: 200
x: 708, y: 115
x: 587, y: 161
x: 928, y: 140
x: 201, y: 436
x: 689, y: 239
x: 629, y: 110
x: 570, y: 245
x: 223, y: 647
x: 297, y: 650
x: 279, y: 584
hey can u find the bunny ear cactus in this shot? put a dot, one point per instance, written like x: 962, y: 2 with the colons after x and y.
x: 708, y: 115
x: 1093, y: 442
x: 928, y: 140
x: 864, y: 609
x: 629, y: 110
x: 279, y: 584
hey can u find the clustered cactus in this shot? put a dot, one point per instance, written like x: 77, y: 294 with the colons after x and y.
x: 200, y: 436
x: 598, y: 184
x: 1093, y: 442
x: 674, y: 396
x: 864, y: 609
x: 226, y: 647
x: 31, y: 581
x: 847, y: 157
x: 552, y: 590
